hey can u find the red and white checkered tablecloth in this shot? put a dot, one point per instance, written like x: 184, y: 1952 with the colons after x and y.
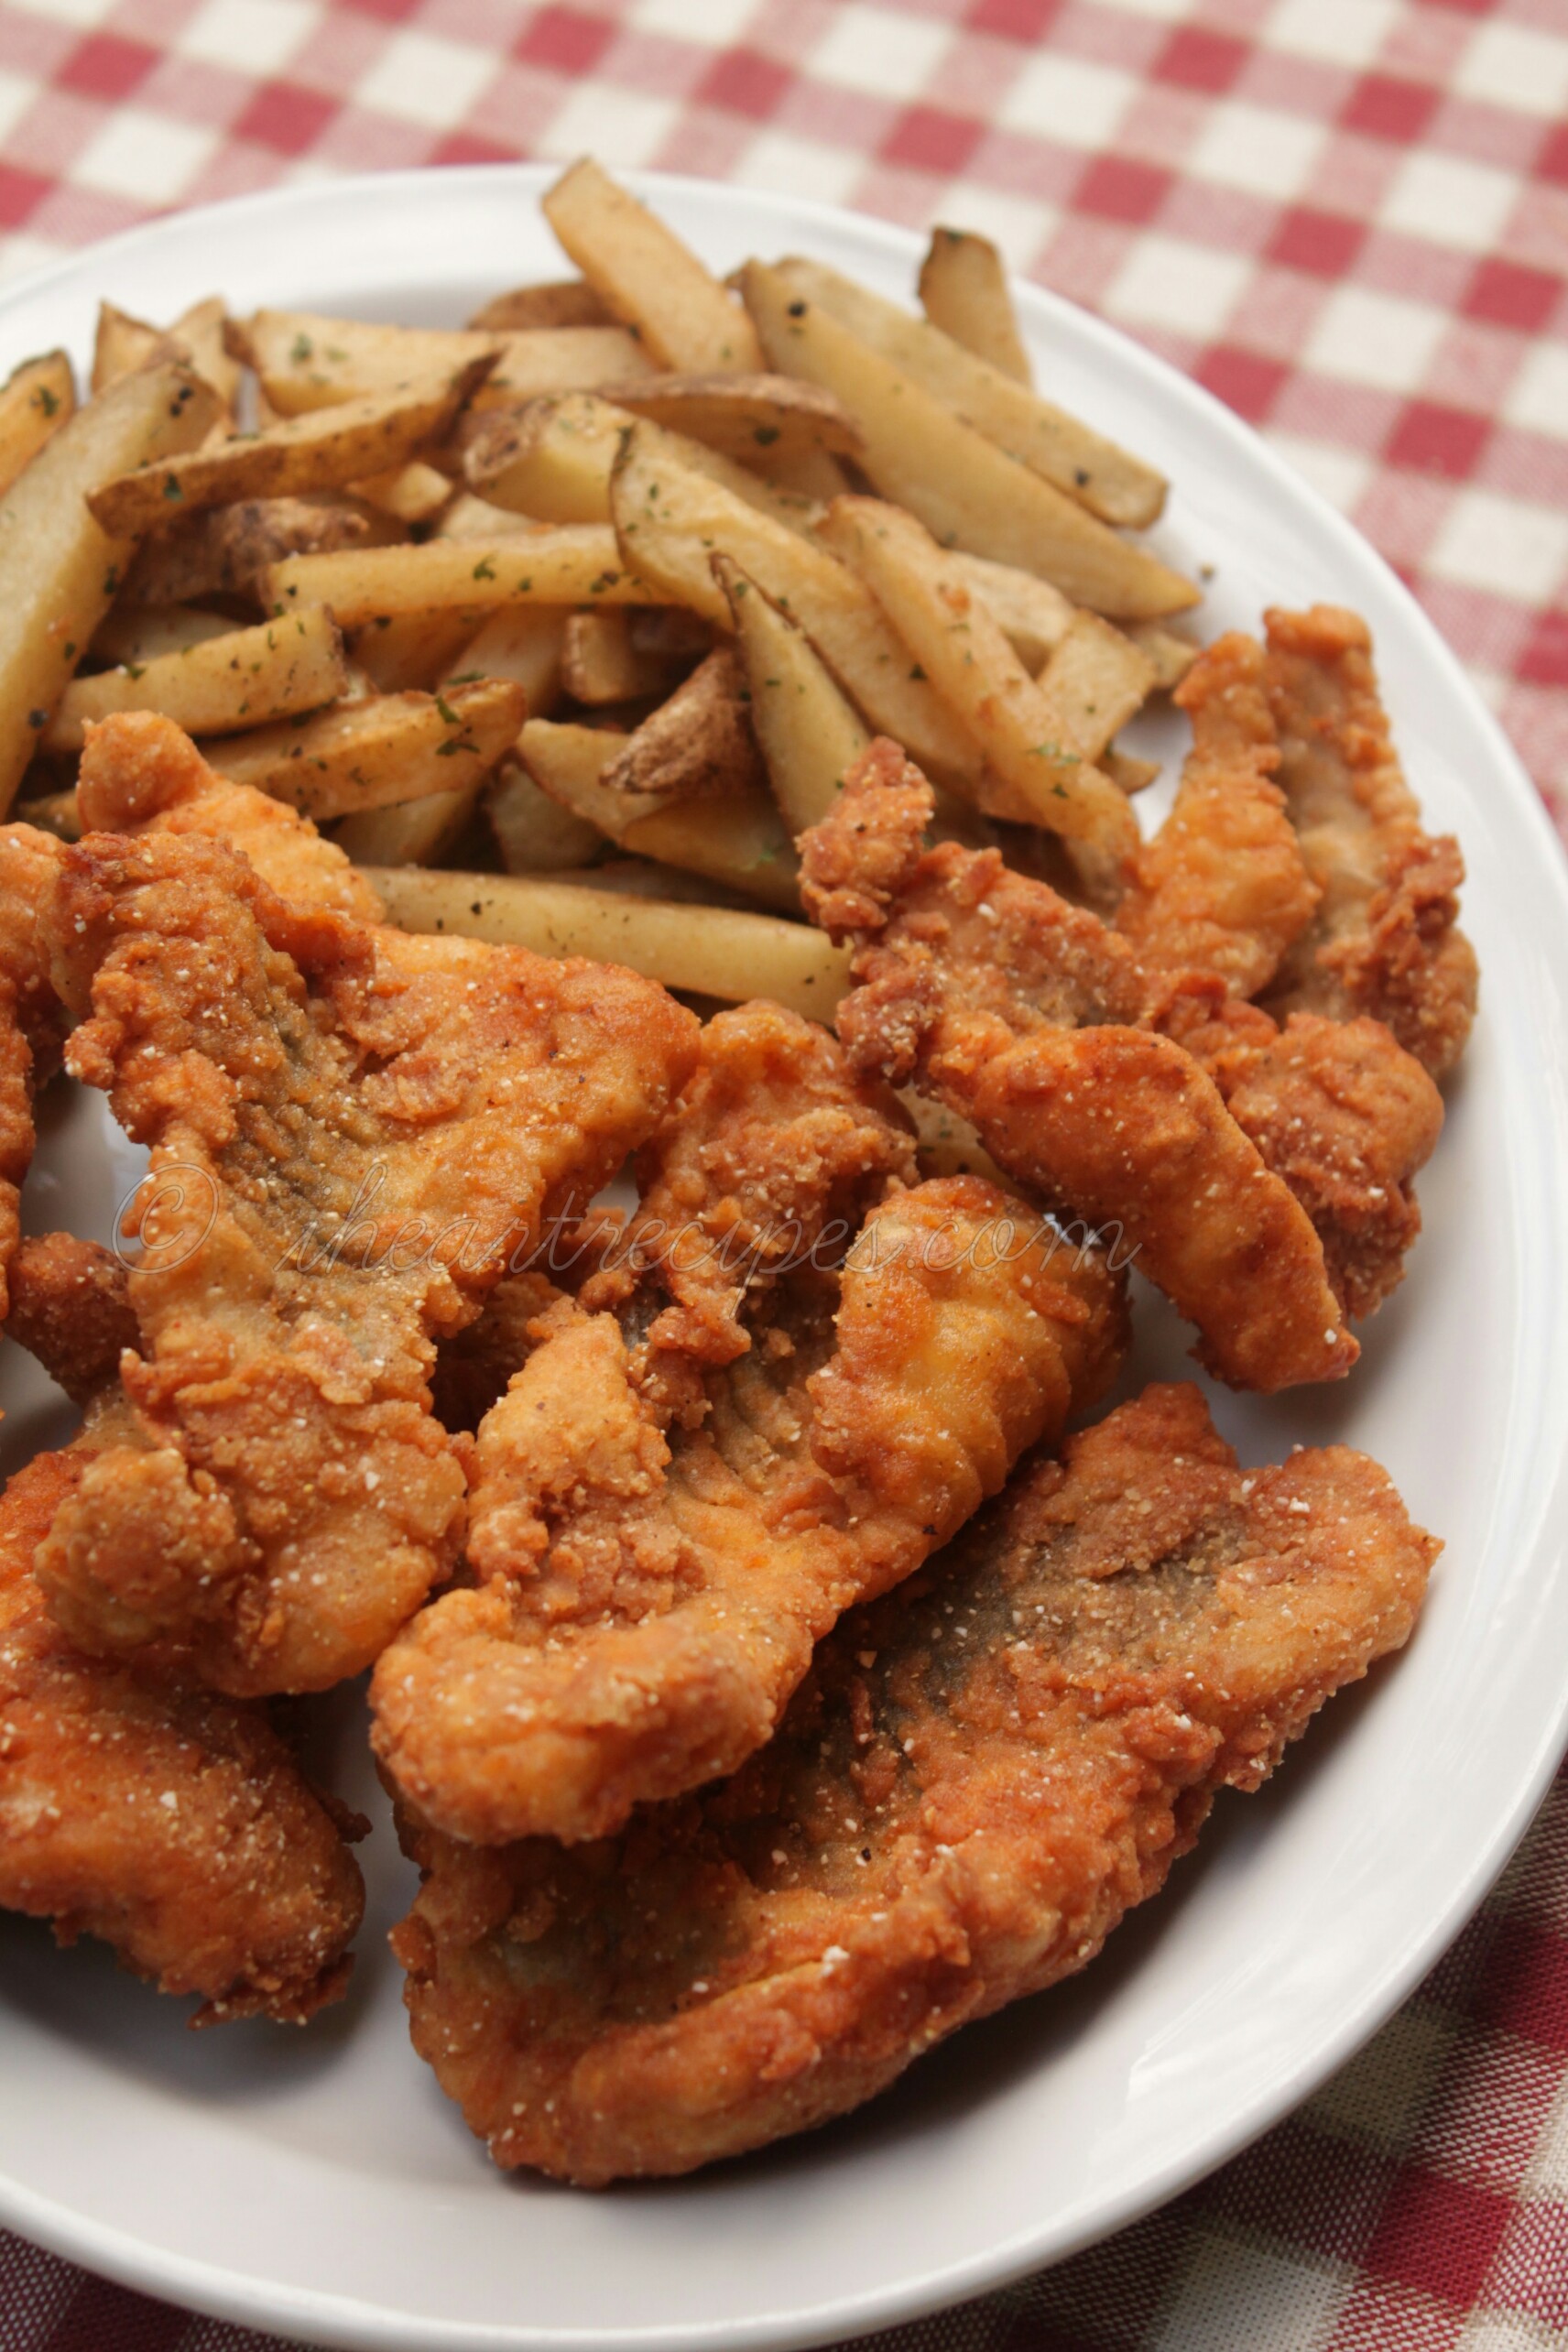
x: 1350, y: 219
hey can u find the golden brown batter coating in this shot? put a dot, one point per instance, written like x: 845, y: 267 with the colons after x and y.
x: 660, y: 1528
x: 31, y: 1024
x: 71, y: 1309
x: 353, y: 1132
x: 986, y: 1769
x: 1384, y: 940
x: 172, y: 1824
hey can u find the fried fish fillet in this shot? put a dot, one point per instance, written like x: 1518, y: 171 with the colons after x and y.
x: 31, y: 1023
x: 984, y: 1771
x: 1384, y: 940
x: 1223, y: 886
x: 673, y: 1502
x: 140, y: 773
x: 1032, y: 1020
x: 351, y: 1132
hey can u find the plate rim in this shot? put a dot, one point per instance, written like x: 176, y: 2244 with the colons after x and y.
x: 351, y: 2321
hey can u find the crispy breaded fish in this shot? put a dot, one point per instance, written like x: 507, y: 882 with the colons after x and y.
x: 675, y: 1500
x: 984, y: 1771
x: 353, y: 1131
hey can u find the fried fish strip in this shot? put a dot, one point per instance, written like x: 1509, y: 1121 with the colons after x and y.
x: 984, y: 1771
x: 31, y: 1025
x: 1223, y: 886
x: 1384, y: 940
x: 172, y: 1824
x: 141, y: 774
x: 352, y: 1133
x: 1029, y: 1017
x: 656, y: 1555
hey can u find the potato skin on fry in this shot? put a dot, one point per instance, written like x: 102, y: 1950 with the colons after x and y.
x: 984, y: 1771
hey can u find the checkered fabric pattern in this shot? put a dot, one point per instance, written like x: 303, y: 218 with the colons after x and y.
x: 1349, y: 218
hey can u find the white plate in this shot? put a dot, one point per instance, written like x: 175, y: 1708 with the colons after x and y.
x: 317, y: 2183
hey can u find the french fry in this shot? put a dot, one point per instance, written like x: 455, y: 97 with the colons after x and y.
x: 1031, y: 775
x: 59, y: 567
x: 534, y: 835
x: 599, y: 663
x: 55, y: 813
x: 948, y: 1146
x: 523, y: 643
x: 808, y: 733
x: 645, y: 275
x: 743, y: 416
x: 400, y: 651
x: 1127, y: 773
x: 966, y: 490
x: 644, y: 878
x: 963, y: 290
x: 141, y: 633
x: 1093, y: 683
x: 1172, y: 656
x: 1107, y: 480
x: 739, y: 841
x: 202, y: 331
x: 308, y: 362
x: 562, y: 359
x: 570, y: 563
x: 556, y: 303
x: 698, y: 745
x: 414, y: 493
x: 671, y: 520
x: 220, y: 685
x: 716, y: 953
x: 553, y: 458
x: 219, y: 550
x: 371, y: 755
x: 310, y: 452
x: 468, y: 518
x: 1034, y: 616
x: 121, y: 345
x: 38, y: 397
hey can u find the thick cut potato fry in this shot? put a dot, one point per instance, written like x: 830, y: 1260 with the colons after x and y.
x: 965, y: 653
x: 1034, y: 616
x: 644, y: 878
x: 645, y: 275
x: 553, y: 458
x: 809, y: 733
x: 1060, y: 448
x: 698, y: 745
x: 468, y: 518
x: 556, y: 303
x: 219, y: 550
x: 141, y: 633
x: 743, y: 416
x: 569, y: 564
x: 1092, y: 685
x: 739, y: 841
x: 60, y: 569
x: 711, y: 951
x: 1127, y: 773
x: 306, y: 361
x: 523, y: 643
x: 599, y: 663
x: 963, y: 291
x: 371, y: 755
x: 121, y: 345
x: 534, y: 833
x: 948, y: 1145
x: 1172, y: 656
x: 37, y: 400
x: 202, y: 331
x: 312, y: 453
x: 414, y: 493
x: 562, y: 359
x: 966, y: 489
x: 220, y: 685
x: 411, y: 650
x: 56, y: 813
x: 670, y: 521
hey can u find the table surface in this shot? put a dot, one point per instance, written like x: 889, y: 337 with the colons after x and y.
x: 1349, y: 218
